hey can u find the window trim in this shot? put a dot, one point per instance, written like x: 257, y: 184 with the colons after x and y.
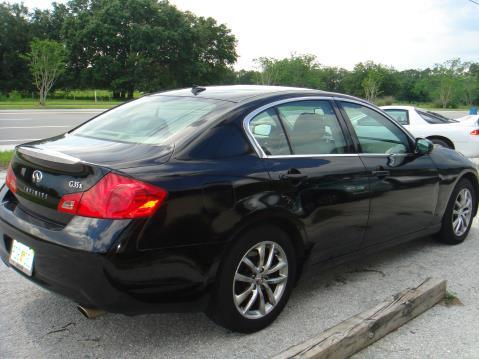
x: 259, y: 151
x: 399, y: 109
x: 411, y: 138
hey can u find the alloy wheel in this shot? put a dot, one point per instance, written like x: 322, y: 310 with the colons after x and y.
x: 462, y: 212
x: 260, y: 280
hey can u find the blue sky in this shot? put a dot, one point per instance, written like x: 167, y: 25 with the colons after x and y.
x: 401, y: 33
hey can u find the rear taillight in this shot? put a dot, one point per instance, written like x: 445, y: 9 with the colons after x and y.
x: 475, y: 132
x: 114, y: 197
x: 11, y: 180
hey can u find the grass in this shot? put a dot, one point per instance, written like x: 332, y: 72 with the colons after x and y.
x: 5, y: 157
x: 55, y: 104
x: 451, y: 298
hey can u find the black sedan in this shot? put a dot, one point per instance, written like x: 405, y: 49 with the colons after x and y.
x: 213, y: 199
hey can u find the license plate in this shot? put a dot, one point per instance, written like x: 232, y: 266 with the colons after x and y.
x: 21, y: 257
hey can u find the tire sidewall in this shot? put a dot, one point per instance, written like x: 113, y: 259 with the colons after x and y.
x: 222, y: 308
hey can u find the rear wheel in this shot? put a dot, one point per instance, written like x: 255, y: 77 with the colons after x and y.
x: 458, y: 217
x: 254, y: 281
x: 441, y: 143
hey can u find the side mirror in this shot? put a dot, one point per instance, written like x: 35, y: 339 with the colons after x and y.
x: 423, y: 146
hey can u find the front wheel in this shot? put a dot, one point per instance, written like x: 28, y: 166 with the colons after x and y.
x: 254, y: 281
x: 458, y: 216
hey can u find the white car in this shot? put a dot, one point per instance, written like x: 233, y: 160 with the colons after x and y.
x: 461, y: 135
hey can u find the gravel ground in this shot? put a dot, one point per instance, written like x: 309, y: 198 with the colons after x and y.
x: 39, y: 324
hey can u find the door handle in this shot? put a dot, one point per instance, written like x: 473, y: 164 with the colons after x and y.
x: 293, y: 177
x: 380, y: 173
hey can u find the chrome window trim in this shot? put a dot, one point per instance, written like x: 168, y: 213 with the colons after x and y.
x: 259, y: 151
x: 378, y: 110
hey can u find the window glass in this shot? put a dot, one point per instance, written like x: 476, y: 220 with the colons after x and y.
x: 150, y: 120
x: 376, y: 134
x: 268, y: 132
x: 433, y: 117
x: 401, y: 116
x: 312, y: 128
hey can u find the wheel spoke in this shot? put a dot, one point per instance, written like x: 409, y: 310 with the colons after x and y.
x: 277, y: 267
x: 261, y: 253
x: 250, y: 265
x: 240, y: 298
x: 269, y: 293
x: 242, y: 278
x: 262, y: 304
x: 251, y: 301
x: 269, y: 261
x: 458, y: 225
x: 276, y: 280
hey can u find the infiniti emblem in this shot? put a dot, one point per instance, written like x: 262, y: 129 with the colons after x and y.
x: 37, y: 176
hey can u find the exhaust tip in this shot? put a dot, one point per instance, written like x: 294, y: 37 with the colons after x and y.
x: 90, y: 313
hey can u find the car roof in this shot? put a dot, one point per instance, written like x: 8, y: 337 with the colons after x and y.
x: 241, y: 93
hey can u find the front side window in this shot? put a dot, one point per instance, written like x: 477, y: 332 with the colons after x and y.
x: 400, y: 116
x: 375, y: 133
x: 151, y: 120
x: 312, y: 128
x: 268, y: 132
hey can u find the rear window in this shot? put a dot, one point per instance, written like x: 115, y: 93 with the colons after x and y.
x: 152, y: 120
x: 433, y: 117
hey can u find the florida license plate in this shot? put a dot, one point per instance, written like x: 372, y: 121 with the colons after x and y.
x: 21, y: 257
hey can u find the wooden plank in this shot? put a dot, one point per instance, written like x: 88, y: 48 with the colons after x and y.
x: 361, y: 330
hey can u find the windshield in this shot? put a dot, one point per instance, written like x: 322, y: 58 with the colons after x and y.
x: 151, y: 120
x: 433, y: 117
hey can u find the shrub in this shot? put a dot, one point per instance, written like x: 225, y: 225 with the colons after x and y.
x: 385, y: 101
x: 14, y: 95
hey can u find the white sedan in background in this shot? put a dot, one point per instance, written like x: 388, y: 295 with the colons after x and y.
x: 461, y: 135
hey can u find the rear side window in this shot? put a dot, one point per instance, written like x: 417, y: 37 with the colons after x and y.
x: 375, y: 133
x: 268, y: 132
x: 152, y: 120
x: 313, y: 128
x: 400, y: 116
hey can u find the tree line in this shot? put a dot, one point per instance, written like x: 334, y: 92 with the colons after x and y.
x: 121, y: 45
x: 145, y: 45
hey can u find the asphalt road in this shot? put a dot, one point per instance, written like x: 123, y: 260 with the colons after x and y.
x: 19, y: 126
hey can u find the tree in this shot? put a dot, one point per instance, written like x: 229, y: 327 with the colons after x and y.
x: 14, y: 41
x: 47, y: 62
x: 447, y: 79
x: 371, y: 85
x: 129, y: 45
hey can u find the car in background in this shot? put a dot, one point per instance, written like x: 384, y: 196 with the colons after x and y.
x: 213, y: 199
x: 460, y: 135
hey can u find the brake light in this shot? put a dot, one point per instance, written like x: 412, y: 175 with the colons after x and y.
x: 11, y: 180
x: 115, y: 197
x: 475, y: 132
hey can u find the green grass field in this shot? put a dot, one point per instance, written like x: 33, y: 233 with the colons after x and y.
x: 5, y: 157
x: 52, y: 104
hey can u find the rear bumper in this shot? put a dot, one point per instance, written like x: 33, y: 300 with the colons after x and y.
x: 130, y: 282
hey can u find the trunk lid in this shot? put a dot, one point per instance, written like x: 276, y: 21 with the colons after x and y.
x: 47, y: 170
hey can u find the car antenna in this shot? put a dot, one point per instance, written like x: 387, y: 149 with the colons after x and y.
x: 197, y: 89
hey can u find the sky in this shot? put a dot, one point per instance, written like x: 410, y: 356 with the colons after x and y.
x: 400, y: 33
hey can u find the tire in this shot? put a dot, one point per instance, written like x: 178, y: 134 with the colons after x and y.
x: 451, y: 232
x: 441, y: 143
x: 234, y: 270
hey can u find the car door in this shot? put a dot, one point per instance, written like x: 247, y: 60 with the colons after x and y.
x: 404, y: 185
x: 315, y: 173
